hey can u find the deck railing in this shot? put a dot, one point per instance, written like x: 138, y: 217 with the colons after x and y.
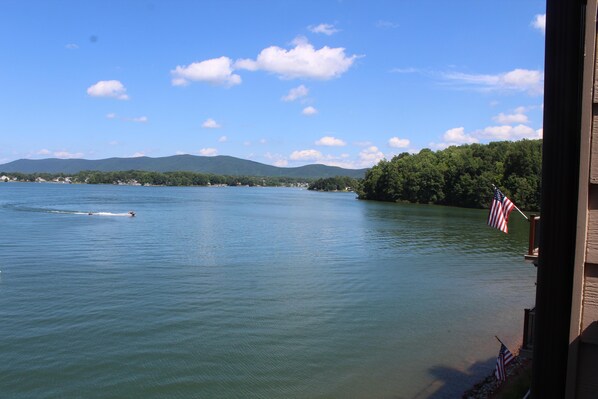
x: 528, y: 332
x: 534, y: 238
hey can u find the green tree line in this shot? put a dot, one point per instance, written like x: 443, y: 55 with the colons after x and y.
x: 460, y: 175
x: 338, y: 183
x: 162, y: 179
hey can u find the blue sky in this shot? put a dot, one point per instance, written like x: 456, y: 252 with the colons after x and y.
x: 285, y: 83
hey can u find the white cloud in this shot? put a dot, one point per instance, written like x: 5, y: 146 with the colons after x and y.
x: 277, y: 159
x: 438, y: 146
x: 295, y: 93
x: 141, y: 119
x: 370, y: 156
x: 309, y: 111
x: 66, y: 154
x: 396, y: 142
x: 71, y: 46
x: 138, y: 154
x: 302, y: 61
x: 216, y: 71
x: 326, y: 29
x: 306, y: 155
x: 263, y: 141
x: 108, y: 88
x: 530, y: 81
x: 540, y: 132
x: 507, y: 132
x: 539, y: 23
x: 457, y: 136
x: 331, y: 142
x: 517, y: 117
x: 208, y: 152
x: 111, y: 115
x: 43, y: 152
x: 210, y: 124
x: 520, y: 110
x: 223, y: 139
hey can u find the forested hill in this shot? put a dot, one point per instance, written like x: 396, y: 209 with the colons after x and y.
x: 220, y: 165
x: 460, y: 176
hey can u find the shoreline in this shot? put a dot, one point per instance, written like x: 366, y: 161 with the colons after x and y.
x: 491, y: 388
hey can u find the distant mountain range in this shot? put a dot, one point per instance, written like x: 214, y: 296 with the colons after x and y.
x: 220, y: 165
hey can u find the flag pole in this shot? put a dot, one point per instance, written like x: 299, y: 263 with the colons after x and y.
x: 499, y: 340
x: 523, y: 214
x: 514, y: 206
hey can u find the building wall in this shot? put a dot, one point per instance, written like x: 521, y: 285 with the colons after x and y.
x: 583, y: 351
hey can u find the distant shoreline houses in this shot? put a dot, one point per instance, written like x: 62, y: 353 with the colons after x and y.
x: 62, y: 180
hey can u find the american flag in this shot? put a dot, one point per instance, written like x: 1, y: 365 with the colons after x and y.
x: 499, y: 211
x: 504, y: 358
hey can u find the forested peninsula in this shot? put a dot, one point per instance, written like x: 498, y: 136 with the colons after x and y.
x: 460, y: 176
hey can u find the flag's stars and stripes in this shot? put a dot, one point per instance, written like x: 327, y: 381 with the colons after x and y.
x: 504, y: 358
x: 499, y: 211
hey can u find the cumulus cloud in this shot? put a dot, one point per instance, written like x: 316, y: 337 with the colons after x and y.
x: 309, y: 111
x: 507, y: 132
x: 140, y: 119
x: 43, y: 151
x: 326, y: 29
x: 539, y: 23
x: 111, y: 115
x: 396, y: 142
x: 331, y: 142
x: 276, y: 159
x: 216, y: 71
x: 370, y: 156
x: 295, y: 93
x: 108, y: 88
x: 222, y: 139
x: 302, y: 61
x: 68, y: 155
x: 306, y: 155
x: 517, y: 117
x: 138, y: 154
x: 210, y: 124
x: 208, y: 152
x: 525, y: 80
x: 540, y: 132
x: 457, y: 136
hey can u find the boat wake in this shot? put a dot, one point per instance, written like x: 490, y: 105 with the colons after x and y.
x: 22, y: 208
x: 127, y: 214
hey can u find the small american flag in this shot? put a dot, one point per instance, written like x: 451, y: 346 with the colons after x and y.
x: 499, y: 211
x: 504, y: 358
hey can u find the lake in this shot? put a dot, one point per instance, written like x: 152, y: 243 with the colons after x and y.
x: 238, y: 292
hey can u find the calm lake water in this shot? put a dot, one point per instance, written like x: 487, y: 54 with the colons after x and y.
x: 250, y: 293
